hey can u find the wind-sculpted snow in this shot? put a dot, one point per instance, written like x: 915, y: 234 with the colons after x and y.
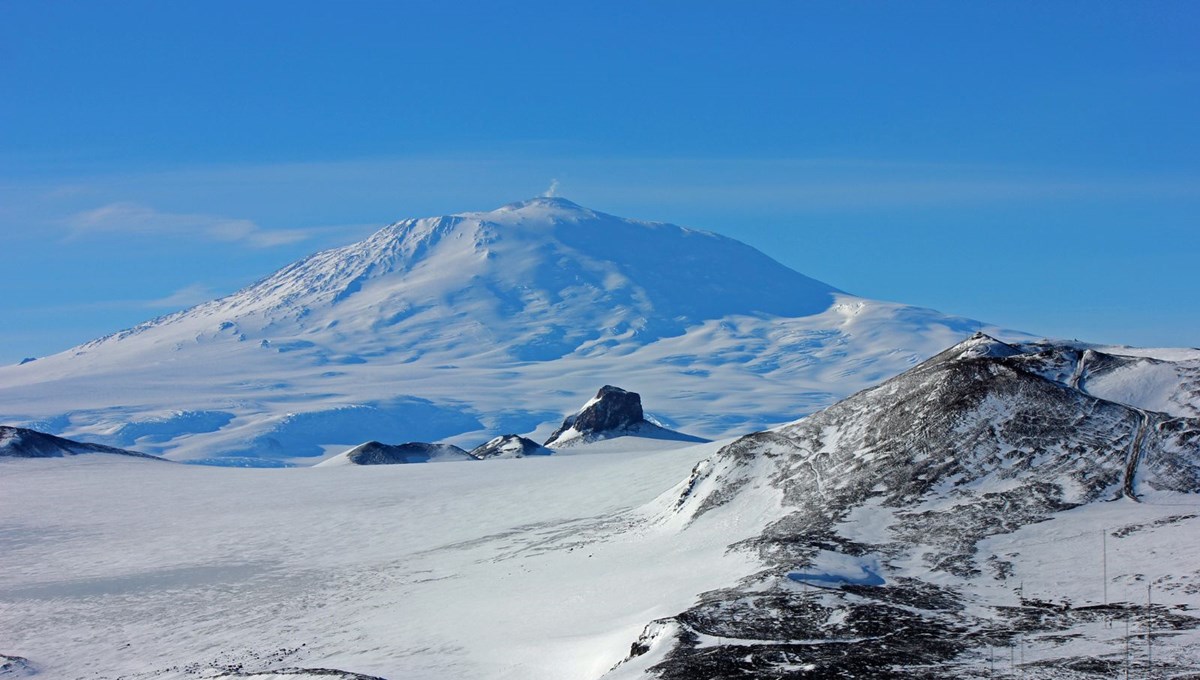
x: 298, y: 434
x: 495, y: 320
x: 877, y: 513
x: 165, y: 428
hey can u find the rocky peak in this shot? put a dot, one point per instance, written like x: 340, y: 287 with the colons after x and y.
x: 378, y: 453
x: 978, y: 346
x: 613, y: 412
x: 509, y: 446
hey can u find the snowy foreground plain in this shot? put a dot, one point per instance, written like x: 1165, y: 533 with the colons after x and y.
x: 526, y: 568
x: 531, y: 568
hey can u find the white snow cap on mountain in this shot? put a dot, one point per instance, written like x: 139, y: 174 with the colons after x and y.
x: 463, y: 327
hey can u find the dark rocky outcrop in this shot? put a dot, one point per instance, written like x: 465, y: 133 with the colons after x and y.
x: 377, y: 453
x: 613, y: 412
x: 19, y: 442
x: 509, y: 446
x: 297, y: 673
x: 15, y: 667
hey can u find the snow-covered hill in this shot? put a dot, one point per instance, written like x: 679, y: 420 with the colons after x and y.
x: 966, y: 506
x: 19, y: 442
x: 509, y: 446
x: 475, y: 325
x: 376, y: 453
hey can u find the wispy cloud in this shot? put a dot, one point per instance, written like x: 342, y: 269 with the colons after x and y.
x: 183, y: 298
x: 135, y: 218
x: 187, y: 296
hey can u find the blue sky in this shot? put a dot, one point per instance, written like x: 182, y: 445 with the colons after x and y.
x: 1036, y: 165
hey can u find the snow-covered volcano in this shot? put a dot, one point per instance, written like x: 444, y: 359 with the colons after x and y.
x: 478, y: 324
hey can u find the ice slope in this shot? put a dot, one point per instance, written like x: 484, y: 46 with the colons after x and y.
x: 981, y: 501
x: 473, y: 325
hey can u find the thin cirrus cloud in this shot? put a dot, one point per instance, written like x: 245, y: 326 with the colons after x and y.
x: 183, y: 298
x: 188, y: 296
x: 135, y: 218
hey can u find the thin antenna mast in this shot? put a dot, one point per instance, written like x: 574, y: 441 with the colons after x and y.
x: 1149, y: 640
x: 1104, y: 544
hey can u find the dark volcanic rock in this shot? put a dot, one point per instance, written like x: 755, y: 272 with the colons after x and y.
x: 298, y: 673
x: 19, y: 442
x: 613, y: 412
x: 376, y: 453
x: 15, y: 667
x: 509, y: 446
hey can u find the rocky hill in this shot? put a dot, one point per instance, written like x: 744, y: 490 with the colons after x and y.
x: 377, y: 453
x: 19, y: 442
x: 906, y: 531
x: 509, y: 446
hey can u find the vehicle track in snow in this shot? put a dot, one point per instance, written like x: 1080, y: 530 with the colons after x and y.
x: 1135, y: 454
x: 1080, y: 369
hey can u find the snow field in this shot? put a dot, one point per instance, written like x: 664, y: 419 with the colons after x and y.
x: 525, y: 568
